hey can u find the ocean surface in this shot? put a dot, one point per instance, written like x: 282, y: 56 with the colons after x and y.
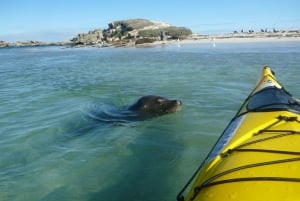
x: 60, y: 140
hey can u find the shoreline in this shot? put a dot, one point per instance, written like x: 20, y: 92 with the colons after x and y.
x: 194, y: 39
x: 246, y: 40
x: 146, y: 33
x: 216, y: 40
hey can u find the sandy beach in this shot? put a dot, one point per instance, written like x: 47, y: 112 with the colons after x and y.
x: 237, y: 38
x: 241, y: 40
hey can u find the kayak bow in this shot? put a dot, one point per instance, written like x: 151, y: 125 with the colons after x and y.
x: 257, y: 157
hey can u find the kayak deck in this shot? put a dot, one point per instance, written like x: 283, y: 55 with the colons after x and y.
x: 258, y: 155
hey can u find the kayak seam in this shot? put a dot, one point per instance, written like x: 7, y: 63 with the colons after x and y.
x: 288, y: 133
x: 245, y: 179
x: 266, y: 151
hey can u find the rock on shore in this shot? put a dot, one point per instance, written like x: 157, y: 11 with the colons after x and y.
x: 4, y: 44
x: 32, y: 43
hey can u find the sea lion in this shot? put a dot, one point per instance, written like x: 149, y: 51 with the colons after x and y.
x: 155, y: 106
x: 144, y: 108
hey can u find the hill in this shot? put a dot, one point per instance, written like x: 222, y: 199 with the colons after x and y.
x: 131, y: 32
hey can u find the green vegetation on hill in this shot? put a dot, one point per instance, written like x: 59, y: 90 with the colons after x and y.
x: 172, y: 32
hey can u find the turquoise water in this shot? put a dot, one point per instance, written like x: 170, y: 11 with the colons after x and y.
x: 52, y: 147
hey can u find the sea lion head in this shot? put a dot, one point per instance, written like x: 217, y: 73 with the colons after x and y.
x: 155, y: 105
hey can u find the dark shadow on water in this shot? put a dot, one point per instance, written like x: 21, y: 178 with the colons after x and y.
x: 142, y: 174
x: 146, y: 174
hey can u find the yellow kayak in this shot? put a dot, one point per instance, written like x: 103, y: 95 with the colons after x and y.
x: 257, y: 158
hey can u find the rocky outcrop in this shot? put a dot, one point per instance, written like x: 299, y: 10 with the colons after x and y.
x: 4, y: 44
x: 30, y: 43
x: 91, y: 38
x: 130, y: 32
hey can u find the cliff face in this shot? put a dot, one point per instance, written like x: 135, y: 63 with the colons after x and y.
x: 130, y: 32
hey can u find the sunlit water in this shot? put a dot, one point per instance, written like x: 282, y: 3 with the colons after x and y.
x: 52, y: 147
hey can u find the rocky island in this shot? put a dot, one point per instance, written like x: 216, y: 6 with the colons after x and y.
x: 131, y: 32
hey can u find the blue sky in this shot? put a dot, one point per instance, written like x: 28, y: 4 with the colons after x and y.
x: 57, y: 20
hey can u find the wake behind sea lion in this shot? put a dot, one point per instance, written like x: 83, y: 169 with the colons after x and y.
x: 103, y: 114
x: 144, y: 108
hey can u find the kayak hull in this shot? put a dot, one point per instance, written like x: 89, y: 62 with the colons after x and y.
x: 258, y: 155
x: 249, y: 170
